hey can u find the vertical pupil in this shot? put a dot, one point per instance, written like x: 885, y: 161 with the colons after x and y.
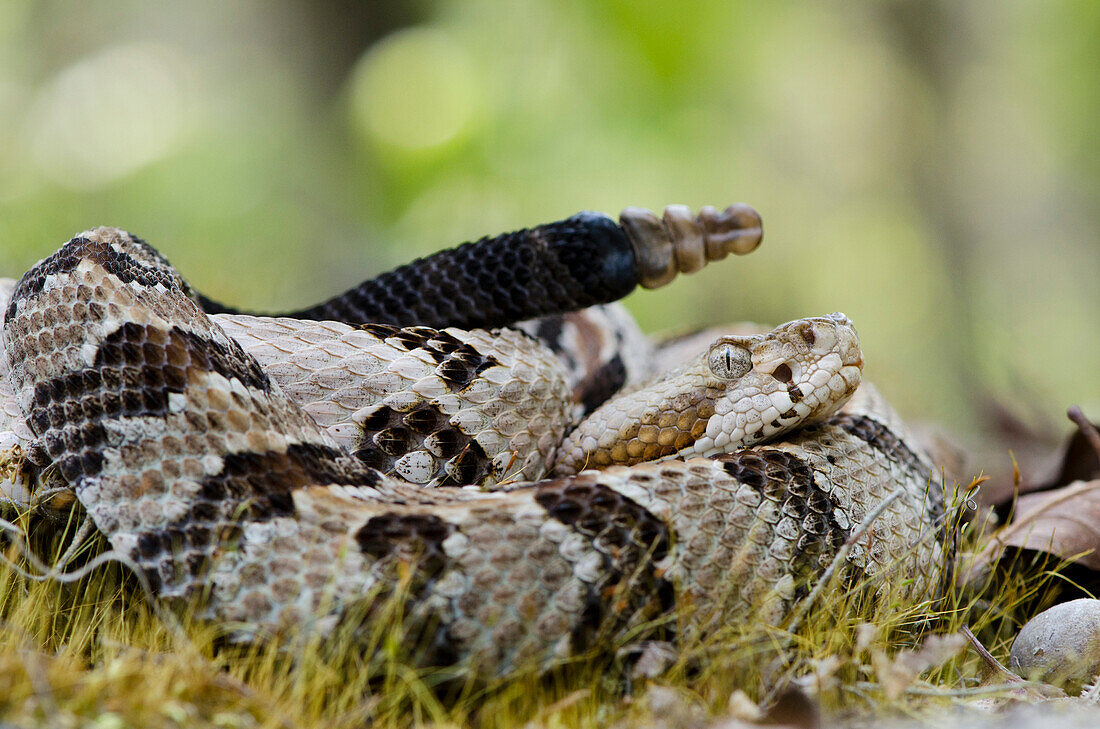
x: 729, y: 362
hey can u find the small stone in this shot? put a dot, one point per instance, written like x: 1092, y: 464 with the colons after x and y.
x: 1060, y: 646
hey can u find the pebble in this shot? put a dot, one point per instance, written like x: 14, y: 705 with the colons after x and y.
x: 1060, y: 646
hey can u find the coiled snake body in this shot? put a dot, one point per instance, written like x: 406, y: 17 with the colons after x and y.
x: 183, y: 438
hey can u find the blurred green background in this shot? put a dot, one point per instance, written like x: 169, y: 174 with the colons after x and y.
x: 930, y: 168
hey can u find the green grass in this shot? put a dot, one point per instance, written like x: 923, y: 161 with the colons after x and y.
x: 94, y: 652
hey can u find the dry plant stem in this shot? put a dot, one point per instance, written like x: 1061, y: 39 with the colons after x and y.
x: 1086, y: 427
x: 988, y: 658
x: 841, y: 556
x: 959, y: 693
x: 826, y: 578
x: 47, y: 572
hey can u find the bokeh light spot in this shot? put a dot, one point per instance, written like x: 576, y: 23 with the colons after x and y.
x: 107, y: 116
x: 416, y: 90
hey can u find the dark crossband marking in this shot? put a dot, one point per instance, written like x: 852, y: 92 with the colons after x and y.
x: 600, y: 385
x: 123, y: 266
x: 263, y: 483
x: 630, y: 540
x: 167, y: 356
x: 458, y: 363
x: 463, y: 366
x: 416, y: 539
x: 249, y: 488
x: 881, y: 438
x: 389, y: 434
x: 789, y: 481
x: 135, y: 369
x: 381, y: 331
x: 181, y: 553
x: 418, y: 536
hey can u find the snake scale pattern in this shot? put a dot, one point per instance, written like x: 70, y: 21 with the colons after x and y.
x: 288, y: 473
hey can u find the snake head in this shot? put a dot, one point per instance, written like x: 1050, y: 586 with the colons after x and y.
x: 742, y: 390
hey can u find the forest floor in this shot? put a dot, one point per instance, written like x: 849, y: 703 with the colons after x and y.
x: 89, y: 649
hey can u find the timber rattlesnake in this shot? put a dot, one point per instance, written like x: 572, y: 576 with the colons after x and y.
x: 180, y: 435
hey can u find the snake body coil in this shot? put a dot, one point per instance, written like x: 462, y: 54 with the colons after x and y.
x: 186, y: 447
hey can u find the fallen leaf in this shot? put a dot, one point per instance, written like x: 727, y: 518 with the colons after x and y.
x: 897, y: 674
x: 1076, y: 459
x: 1064, y: 522
x: 1017, y: 440
x: 654, y: 658
x: 1081, y: 456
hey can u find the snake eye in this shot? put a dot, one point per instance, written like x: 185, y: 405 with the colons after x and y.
x: 728, y: 361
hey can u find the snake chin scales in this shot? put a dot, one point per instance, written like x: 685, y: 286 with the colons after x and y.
x: 535, y: 493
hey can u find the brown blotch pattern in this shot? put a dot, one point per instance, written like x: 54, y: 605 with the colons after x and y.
x: 789, y: 480
x: 458, y: 363
x: 631, y: 541
x: 388, y: 434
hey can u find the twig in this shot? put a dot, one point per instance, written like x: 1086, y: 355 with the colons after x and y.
x: 988, y: 658
x: 1086, y: 427
x: 959, y: 692
x: 87, y: 526
x: 838, y: 560
x: 566, y: 702
x: 46, y: 573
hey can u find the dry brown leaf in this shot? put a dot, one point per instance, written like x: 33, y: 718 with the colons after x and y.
x: 1064, y: 522
x: 898, y: 674
x: 1076, y: 459
x: 655, y: 657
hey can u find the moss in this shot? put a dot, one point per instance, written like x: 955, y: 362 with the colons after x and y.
x: 95, y: 650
